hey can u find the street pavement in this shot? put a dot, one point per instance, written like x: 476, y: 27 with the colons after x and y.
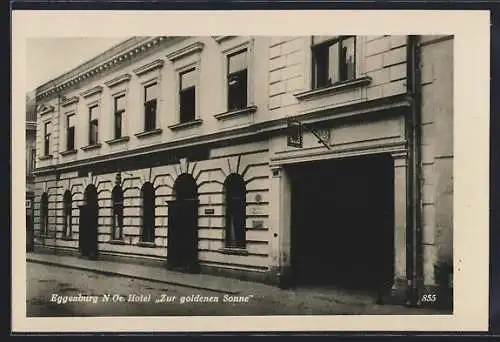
x: 51, y: 289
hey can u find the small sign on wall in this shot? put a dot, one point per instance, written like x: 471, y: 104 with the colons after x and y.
x: 209, y: 211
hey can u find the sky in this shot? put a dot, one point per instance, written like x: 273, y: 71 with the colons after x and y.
x: 47, y: 58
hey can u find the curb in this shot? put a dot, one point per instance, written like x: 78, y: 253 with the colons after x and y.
x: 125, y: 275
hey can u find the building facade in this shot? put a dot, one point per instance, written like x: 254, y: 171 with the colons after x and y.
x: 30, y: 153
x: 182, y: 150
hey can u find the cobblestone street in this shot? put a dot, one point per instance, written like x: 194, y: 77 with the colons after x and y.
x: 49, y: 284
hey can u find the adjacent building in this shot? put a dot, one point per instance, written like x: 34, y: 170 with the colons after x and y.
x: 30, y: 153
x: 289, y: 160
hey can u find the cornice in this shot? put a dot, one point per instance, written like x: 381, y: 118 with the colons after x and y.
x: 220, y: 39
x: 91, y: 91
x: 111, y: 59
x: 69, y: 101
x: 157, y: 64
x: 393, y: 103
x: 117, y: 80
x: 186, y: 51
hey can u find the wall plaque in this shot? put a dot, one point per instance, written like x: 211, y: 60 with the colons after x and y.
x: 209, y: 211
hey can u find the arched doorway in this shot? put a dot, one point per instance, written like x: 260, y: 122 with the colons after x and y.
x: 182, y: 246
x: 88, y: 223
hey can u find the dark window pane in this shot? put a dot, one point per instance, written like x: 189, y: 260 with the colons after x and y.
x: 46, y: 145
x: 119, y: 103
x: 70, y: 142
x: 235, y: 212
x: 187, y: 104
x: 188, y: 79
x: 320, y: 60
x: 118, y: 125
x: 347, y: 59
x: 150, y: 115
x: 33, y: 159
x: 148, y: 213
x: 237, y: 90
x: 94, y: 138
x: 150, y: 92
x: 237, y: 62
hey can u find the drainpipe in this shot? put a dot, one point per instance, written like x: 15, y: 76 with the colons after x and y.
x: 414, y: 210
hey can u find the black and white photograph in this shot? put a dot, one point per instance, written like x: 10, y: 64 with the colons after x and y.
x: 240, y: 175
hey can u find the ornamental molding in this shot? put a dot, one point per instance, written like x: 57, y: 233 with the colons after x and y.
x: 186, y: 51
x: 44, y: 109
x: 220, y: 39
x: 114, y: 58
x: 157, y: 64
x: 91, y: 91
x: 68, y: 101
x: 118, y: 80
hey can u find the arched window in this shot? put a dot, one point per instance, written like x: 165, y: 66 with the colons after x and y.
x: 148, y: 213
x: 235, y: 197
x: 44, y: 213
x: 117, y: 198
x: 67, y: 213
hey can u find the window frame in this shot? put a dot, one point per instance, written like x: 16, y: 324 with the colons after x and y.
x: 44, y: 213
x: 117, y: 209
x: 47, y: 125
x: 120, y: 113
x: 235, y: 205
x: 67, y: 211
x: 230, y: 46
x: 92, y: 123
x: 145, y: 86
x: 242, y: 50
x: 148, y: 234
x: 32, y: 161
x: 193, y: 67
x: 68, y: 131
x: 326, y: 44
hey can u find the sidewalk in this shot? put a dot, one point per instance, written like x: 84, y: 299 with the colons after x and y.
x: 150, y: 273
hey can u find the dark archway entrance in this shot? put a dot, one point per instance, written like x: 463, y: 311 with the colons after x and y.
x: 183, y: 225
x: 342, y: 228
x: 88, y: 226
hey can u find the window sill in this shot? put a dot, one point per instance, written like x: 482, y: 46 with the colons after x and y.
x: 147, y: 244
x: 236, y: 112
x: 182, y: 125
x: 46, y: 157
x: 148, y: 133
x: 116, y: 242
x: 68, y: 152
x: 91, y: 147
x: 117, y: 140
x: 335, y: 88
x: 233, y: 251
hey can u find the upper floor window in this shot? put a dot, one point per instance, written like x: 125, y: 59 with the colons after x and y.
x: 333, y: 60
x: 93, y: 125
x: 119, y: 112
x: 187, y: 95
x: 150, y: 104
x: 237, y: 80
x: 235, y: 198
x: 70, y: 132
x: 46, y: 138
